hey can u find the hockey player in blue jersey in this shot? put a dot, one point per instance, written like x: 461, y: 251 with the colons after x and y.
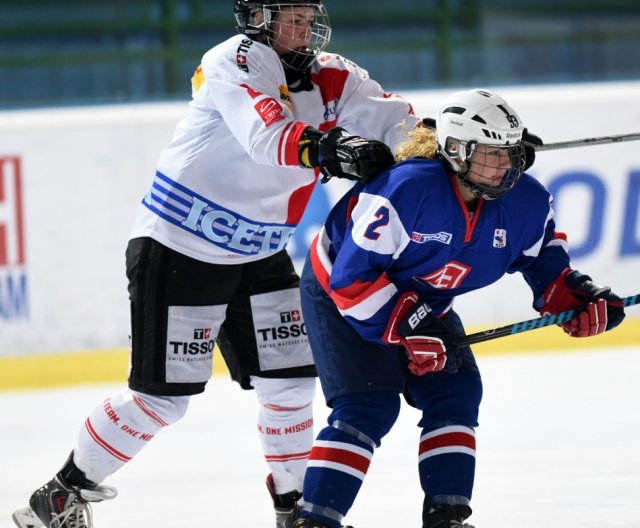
x: 454, y: 215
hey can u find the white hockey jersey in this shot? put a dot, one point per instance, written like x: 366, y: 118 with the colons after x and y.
x: 228, y: 188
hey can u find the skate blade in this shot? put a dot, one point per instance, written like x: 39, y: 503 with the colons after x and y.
x: 25, y: 518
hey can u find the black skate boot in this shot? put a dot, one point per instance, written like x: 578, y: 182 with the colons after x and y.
x: 59, y: 504
x: 307, y: 522
x: 444, y: 515
x: 286, y: 505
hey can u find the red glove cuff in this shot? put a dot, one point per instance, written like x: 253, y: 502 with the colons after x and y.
x: 591, y: 318
x: 558, y: 297
x: 406, y: 301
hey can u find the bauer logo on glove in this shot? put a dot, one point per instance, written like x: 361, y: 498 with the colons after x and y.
x: 428, y: 341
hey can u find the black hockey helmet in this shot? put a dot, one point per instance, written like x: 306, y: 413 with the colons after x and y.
x: 254, y: 19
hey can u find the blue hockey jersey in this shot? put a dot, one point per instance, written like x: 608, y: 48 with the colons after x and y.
x: 409, y: 231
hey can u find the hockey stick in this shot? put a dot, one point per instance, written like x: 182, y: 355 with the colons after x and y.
x: 531, y: 324
x: 586, y: 142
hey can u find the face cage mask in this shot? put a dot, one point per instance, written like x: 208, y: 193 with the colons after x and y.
x: 458, y: 154
x: 301, y: 59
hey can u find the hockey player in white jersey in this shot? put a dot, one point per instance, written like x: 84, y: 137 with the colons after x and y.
x: 206, y: 261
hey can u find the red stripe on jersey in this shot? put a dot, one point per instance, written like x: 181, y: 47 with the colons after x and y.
x: 327, y: 125
x: 471, y: 223
x: 102, y: 443
x: 298, y: 202
x: 340, y: 456
x: 316, y: 265
x: 293, y: 141
x: 252, y: 93
x: 331, y: 82
x: 448, y: 440
x: 281, y: 141
x: 358, y: 291
x: 351, y: 205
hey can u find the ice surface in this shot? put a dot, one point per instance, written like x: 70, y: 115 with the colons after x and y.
x: 558, y: 446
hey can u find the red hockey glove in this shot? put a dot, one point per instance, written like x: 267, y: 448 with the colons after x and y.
x: 428, y: 341
x: 597, y: 309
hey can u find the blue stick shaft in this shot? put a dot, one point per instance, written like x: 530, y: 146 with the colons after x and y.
x: 531, y: 324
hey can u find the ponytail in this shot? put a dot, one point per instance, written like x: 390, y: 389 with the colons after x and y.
x: 420, y: 143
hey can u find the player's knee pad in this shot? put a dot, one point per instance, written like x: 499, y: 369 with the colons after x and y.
x: 284, y: 393
x: 120, y: 427
x: 369, y: 413
x: 158, y: 410
x: 285, y: 425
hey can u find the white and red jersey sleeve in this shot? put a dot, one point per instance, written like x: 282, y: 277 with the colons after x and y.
x: 250, y: 93
x: 359, y: 103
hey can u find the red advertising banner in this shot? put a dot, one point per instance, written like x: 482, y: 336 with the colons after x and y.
x: 12, y: 246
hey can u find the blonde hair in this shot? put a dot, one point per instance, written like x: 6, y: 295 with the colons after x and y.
x: 420, y: 143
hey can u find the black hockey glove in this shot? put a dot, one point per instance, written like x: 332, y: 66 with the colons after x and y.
x: 530, y: 142
x: 341, y: 155
x: 353, y: 157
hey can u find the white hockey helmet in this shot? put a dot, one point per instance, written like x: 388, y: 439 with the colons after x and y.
x: 468, y: 118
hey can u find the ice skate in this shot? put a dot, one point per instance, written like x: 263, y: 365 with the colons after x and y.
x: 307, y: 522
x: 285, y: 505
x: 446, y: 516
x: 58, y: 505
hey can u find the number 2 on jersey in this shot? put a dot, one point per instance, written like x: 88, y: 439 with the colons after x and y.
x: 382, y: 219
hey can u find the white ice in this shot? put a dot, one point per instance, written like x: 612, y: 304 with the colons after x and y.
x: 558, y: 446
